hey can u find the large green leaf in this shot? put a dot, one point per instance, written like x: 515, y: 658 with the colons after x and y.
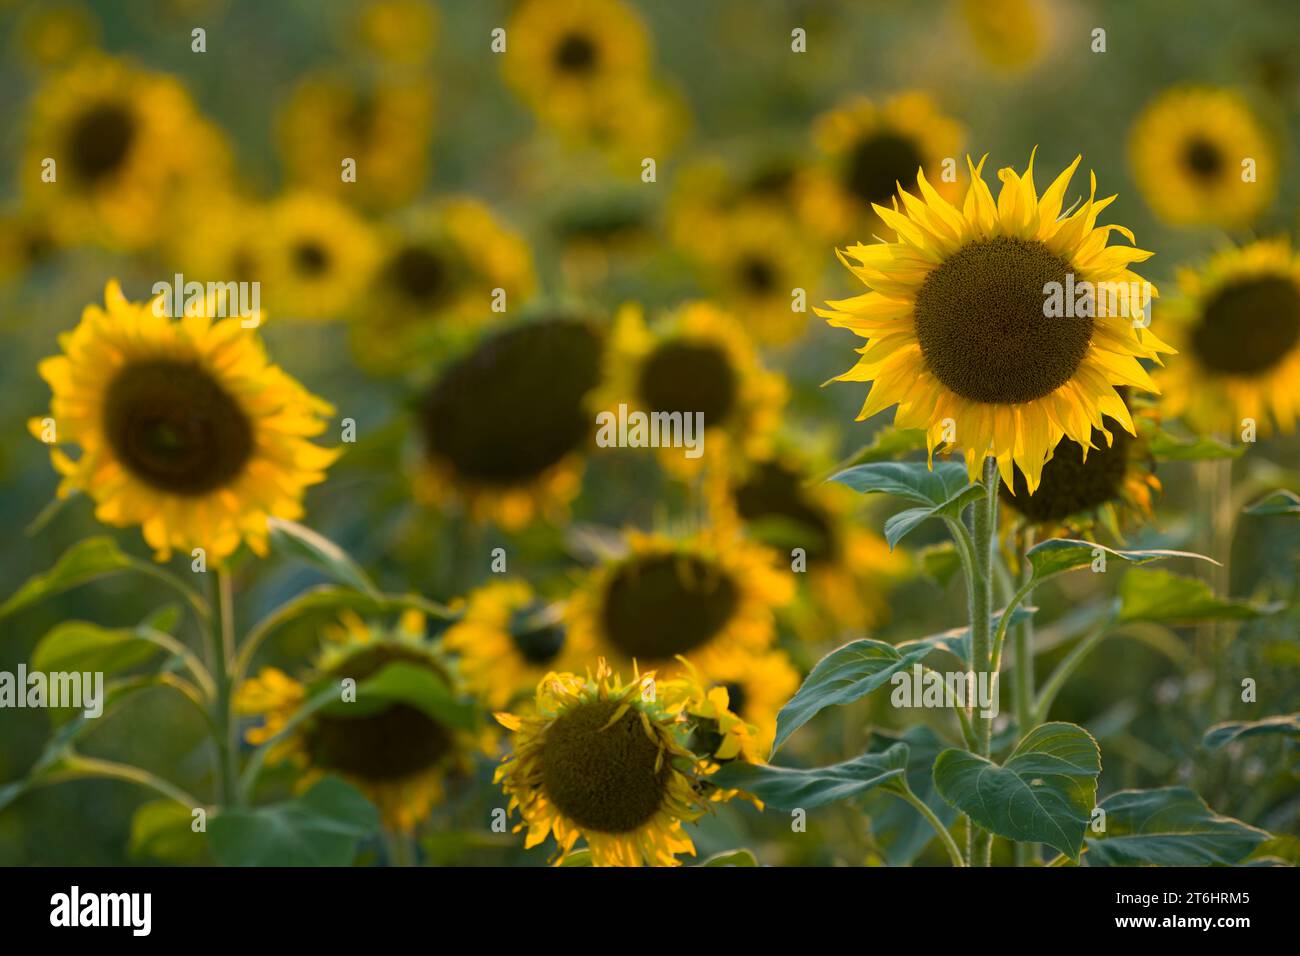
x: 405, y: 683
x: 741, y: 857
x: 1280, y: 502
x: 1059, y: 555
x: 81, y: 646
x: 164, y: 830
x: 783, y: 788
x: 296, y: 541
x: 86, y: 561
x: 1044, y: 793
x: 911, y: 480
x: 1171, y: 826
x: 1153, y: 594
x: 1220, y: 735
x: 1165, y: 446
x: 902, y: 524
x: 900, y: 830
x: 320, y: 828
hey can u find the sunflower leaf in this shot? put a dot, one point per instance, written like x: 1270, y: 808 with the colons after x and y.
x: 1170, y: 826
x: 910, y: 480
x: 740, y: 857
x: 1165, y: 446
x: 784, y: 788
x: 1044, y: 792
x: 320, y: 828
x: 1220, y: 735
x: 403, y: 683
x: 1280, y: 502
x: 1059, y: 555
x: 900, y: 830
x: 163, y: 830
x: 297, y: 541
x: 1153, y: 594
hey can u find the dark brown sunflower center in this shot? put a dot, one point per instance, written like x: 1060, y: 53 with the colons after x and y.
x: 421, y: 275
x: 175, y: 428
x: 772, y: 497
x: 100, y: 140
x: 1070, y: 485
x: 1249, y: 326
x: 757, y: 274
x: 736, y: 699
x: 311, y: 258
x: 575, y: 53
x: 980, y: 322
x: 1203, y: 158
x: 536, y: 636
x: 877, y: 164
x: 604, y: 778
x: 682, y: 376
x: 664, y: 605
x: 386, y: 745
x: 514, y: 407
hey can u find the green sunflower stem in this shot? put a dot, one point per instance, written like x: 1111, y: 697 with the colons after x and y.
x: 984, y: 522
x: 1023, y: 688
x: 222, y: 652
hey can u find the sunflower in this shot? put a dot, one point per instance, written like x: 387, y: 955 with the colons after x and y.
x: 502, y: 431
x: 1112, y: 481
x: 600, y: 760
x: 385, y: 127
x: 318, y: 256
x: 958, y: 328
x: 707, y: 598
x: 400, y: 32
x: 397, y: 753
x: 223, y: 240
x: 508, y: 640
x: 1008, y: 34
x: 743, y: 698
x: 26, y: 241
x: 1236, y: 322
x: 699, y: 360
x: 1187, y: 150
x: 51, y: 34
x: 565, y: 56
x: 440, y: 267
x: 848, y: 570
x: 184, y: 427
x: 708, y: 191
x: 128, y: 148
x: 868, y: 151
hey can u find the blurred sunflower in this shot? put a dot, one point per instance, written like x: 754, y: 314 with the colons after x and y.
x: 602, y: 228
x: 1111, y: 481
x: 508, y: 640
x: 700, y: 359
x: 223, y: 240
x: 869, y: 150
x: 706, y: 192
x: 956, y: 326
x: 850, y: 569
x: 318, y: 257
x: 26, y: 241
x: 599, y: 759
x: 397, y: 753
x: 51, y: 34
x: 184, y: 427
x: 399, y: 32
x: 1236, y: 322
x: 706, y: 598
x: 564, y: 56
x: 439, y: 268
x: 503, y: 430
x: 1187, y: 149
x: 385, y: 126
x: 756, y: 687
x: 1009, y: 34
x: 128, y: 147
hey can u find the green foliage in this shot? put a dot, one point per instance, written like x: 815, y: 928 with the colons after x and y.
x: 320, y: 828
x: 1220, y: 735
x: 784, y: 788
x: 1171, y: 826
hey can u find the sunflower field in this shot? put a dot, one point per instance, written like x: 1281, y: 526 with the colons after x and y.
x: 741, y: 433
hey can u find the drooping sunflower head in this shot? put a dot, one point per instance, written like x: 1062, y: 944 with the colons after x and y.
x: 503, y: 430
x: 1236, y: 322
x: 979, y: 327
x: 385, y: 126
x: 698, y: 361
x: 1201, y: 157
x: 397, y: 750
x: 318, y: 256
x: 869, y: 150
x: 600, y: 760
x: 439, y: 270
x: 704, y: 598
x: 184, y: 427
x: 732, y: 714
x: 128, y: 147
x: 508, y: 640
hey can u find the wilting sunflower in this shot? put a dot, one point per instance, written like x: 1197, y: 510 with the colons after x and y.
x: 1112, y: 482
x: 707, y: 598
x: 508, y: 640
x: 184, y: 427
x: 564, y: 56
x: 396, y: 752
x: 1187, y: 151
x: 848, y: 568
x: 439, y: 270
x: 318, y: 257
x: 869, y: 150
x: 956, y: 325
x: 385, y: 127
x: 600, y: 760
x: 1236, y: 322
x: 128, y: 148
x: 698, y: 359
x: 504, y: 427
x: 756, y: 687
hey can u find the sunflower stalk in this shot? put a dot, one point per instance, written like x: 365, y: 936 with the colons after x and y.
x: 984, y: 515
x: 1023, y: 687
x: 222, y: 652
